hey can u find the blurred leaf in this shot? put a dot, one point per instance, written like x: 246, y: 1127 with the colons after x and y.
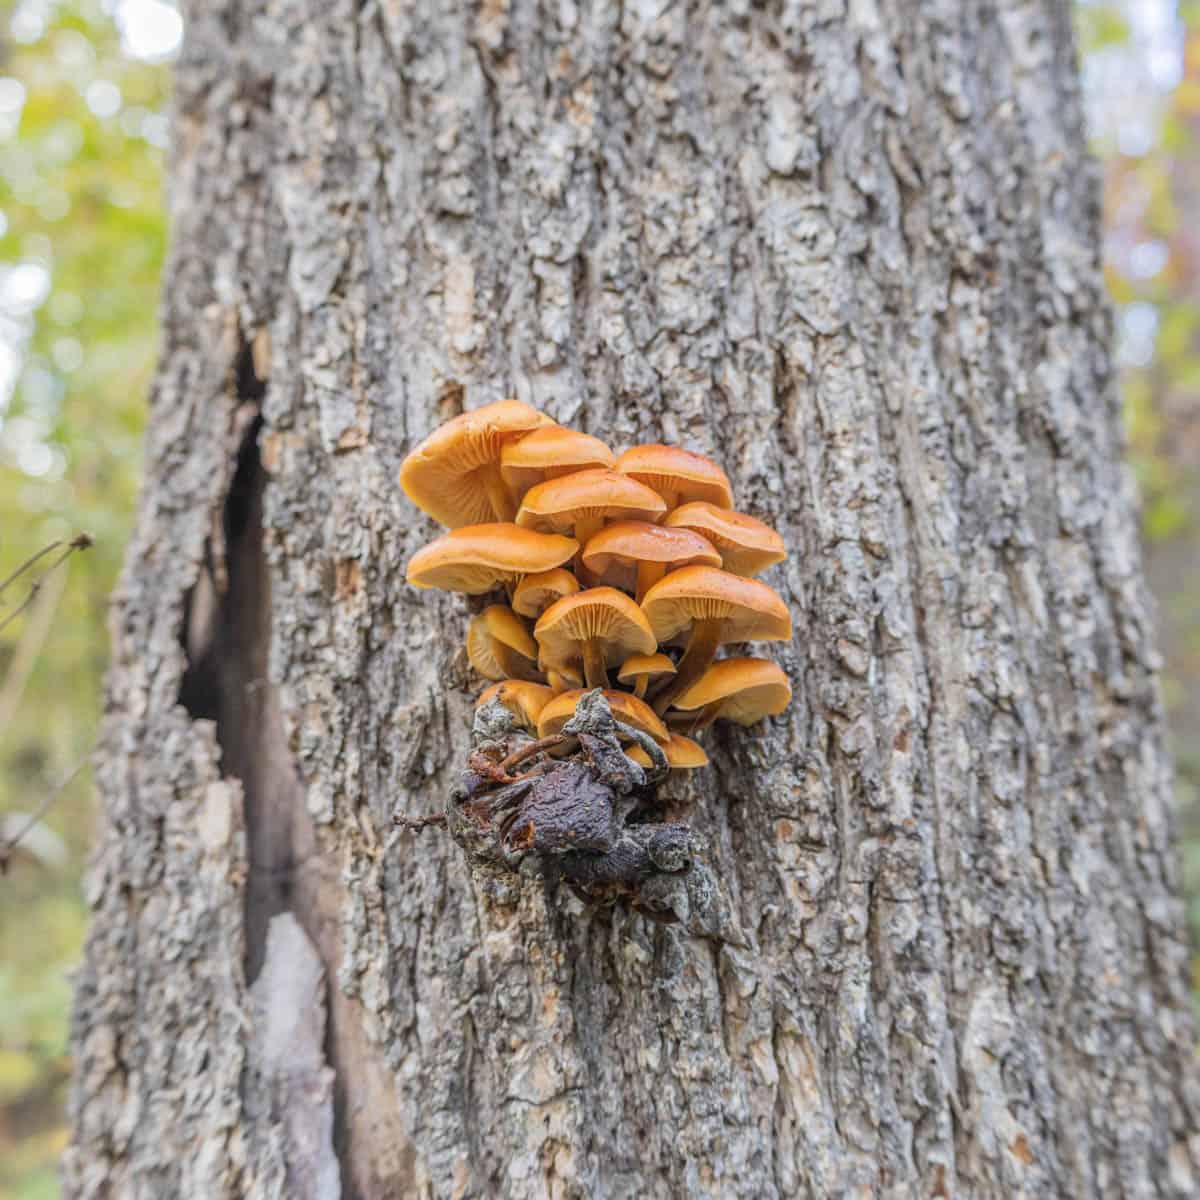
x: 1101, y: 25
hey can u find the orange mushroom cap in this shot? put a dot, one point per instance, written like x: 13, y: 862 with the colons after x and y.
x: 535, y: 593
x: 649, y: 666
x: 624, y: 707
x: 497, y: 641
x: 746, y: 545
x: 682, y: 753
x: 524, y: 700
x: 612, y: 554
x: 746, y: 689
x: 677, y: 475
x: 600, y: 615
x: 588, y: 496
x: 452, y: 473
x: 550, y: 453
x: 749, y: 611
x: 475, y: 558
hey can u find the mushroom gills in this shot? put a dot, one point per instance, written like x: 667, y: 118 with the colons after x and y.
x: 497, y: 494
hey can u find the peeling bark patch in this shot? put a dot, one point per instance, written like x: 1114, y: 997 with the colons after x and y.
x: 287, y: 1051
x: 348, y: 578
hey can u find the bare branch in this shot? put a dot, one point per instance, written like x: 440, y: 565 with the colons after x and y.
x: 80, y: 542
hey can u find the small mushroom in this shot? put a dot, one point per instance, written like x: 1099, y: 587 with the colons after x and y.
x: 625, y: 707
x: 641, y: 670
x: 677, y: 475
x: 523, y: 699
x: 746, y: 545
x: 561, y: 678
x: 550, y: 453
x: 597, y: 627
x: 737, y: 689
x: 582, y: 502
x: 717, y: 607
x: 499, y: 645
x: 454, y: 474
x: 476, y: 558
x: 562, y: 681
x: 635, y: 554
x: 535, y: 593
x: 682, y: 754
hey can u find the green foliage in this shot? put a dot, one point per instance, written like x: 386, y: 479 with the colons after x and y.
x: 81, y: 198
x: 1101, y: 25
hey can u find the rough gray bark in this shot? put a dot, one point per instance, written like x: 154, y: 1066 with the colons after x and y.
x: 850, y: 248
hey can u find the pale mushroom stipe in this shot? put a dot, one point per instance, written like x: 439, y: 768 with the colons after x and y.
x: 615, y: 579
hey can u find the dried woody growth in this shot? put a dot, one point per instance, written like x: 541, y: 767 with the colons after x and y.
x: 623, y: 575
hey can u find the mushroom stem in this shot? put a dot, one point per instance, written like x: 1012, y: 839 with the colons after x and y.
x: 706, y: 716
x: 639, y: 688
x: 497, y: 493
x: 593, y: 664
x: 648, y: 573
x: 514, y: 665
x: 706, y: 637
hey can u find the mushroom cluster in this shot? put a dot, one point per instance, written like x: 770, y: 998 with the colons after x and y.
x: 624, y: 572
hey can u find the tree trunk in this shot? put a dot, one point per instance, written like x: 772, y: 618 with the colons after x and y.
x: 851, y: 250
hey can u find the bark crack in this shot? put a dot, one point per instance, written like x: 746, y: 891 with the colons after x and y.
x: 226, y: 635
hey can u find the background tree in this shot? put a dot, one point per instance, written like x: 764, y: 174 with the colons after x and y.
x: 856, y: 257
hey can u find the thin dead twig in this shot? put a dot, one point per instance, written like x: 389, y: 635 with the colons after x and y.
x: 416, y: 824
x: 10, y: 844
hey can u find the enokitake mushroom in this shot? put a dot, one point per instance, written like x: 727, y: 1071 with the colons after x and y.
x: 583, y: 501
x: 499, y: 645
x: 597, y: 627
x: 550, y: 453
x: 716, y: 607
x: 634, y: 555
x: 641, y: 670
x: 476, y: 558
x: 736, y: 689
x: 525, y: 700
x: 747, y: 546
x: 682, y: 753
x: 625, y: 707
x: 454, y: 474
x: 535, y: 593
x: 677, y: 475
